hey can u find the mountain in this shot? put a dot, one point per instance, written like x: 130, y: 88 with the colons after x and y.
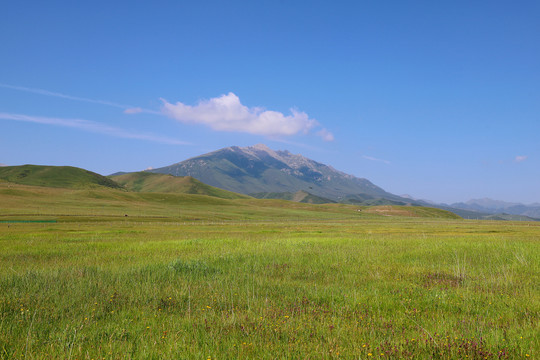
x: 164, y: 183
x: 55, y: 176
x: 259, y: 169
x: 485, y: 204
x: 491, y: 206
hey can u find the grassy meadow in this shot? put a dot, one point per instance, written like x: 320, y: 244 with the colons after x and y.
x: 195, y: 277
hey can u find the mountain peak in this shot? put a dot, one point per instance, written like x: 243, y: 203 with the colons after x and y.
x: 261, y: 147
x: 257, y: 152
x: 257, y: 169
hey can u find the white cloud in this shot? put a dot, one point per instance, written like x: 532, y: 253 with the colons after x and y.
x: 371, y: 158
x: 520, y: 158
x: 90, y: 126
x: 223, y: 113
x: 2, y: 165
x: 226, y: 113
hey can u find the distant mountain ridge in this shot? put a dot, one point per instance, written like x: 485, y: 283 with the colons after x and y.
x: 259, y: 169
x: 491, y: 206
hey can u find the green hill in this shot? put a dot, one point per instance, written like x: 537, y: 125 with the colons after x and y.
x: 55, y: 176
x: 163, y: 183
x: 24, y: 202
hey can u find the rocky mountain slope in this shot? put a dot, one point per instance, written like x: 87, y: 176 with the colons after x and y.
x: 259, y: 169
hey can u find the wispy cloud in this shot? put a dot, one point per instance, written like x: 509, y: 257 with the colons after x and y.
x: 371, y: 158
x: 226, y: 113
x: 91, y: 126
x: 135, y: 110
x: 128, y: 109
x: 64, y: 96
x: 520, y: 158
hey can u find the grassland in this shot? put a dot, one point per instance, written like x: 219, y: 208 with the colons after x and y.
x: 197, y: 277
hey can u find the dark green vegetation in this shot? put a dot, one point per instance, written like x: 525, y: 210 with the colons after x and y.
x: 55, y: 176
x: 162, y: 183
x: 363, y: 199
x: 193, y: 276
x: 299, y: 196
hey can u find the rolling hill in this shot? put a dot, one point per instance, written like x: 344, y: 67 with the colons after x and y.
x: 26, y: 203
x: 55, y: 176
x: 164, y: 183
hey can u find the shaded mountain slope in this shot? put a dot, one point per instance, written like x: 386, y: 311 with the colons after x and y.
x: 299, y: 196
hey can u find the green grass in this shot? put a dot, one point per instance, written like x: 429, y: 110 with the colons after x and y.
x: 196, y: 277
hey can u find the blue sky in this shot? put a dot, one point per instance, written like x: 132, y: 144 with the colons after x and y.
x: 439, y: 100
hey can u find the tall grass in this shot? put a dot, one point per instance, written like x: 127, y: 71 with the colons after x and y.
x: 366, y: 288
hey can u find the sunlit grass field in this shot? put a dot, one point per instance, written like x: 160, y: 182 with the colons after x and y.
x: 243, y: 279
